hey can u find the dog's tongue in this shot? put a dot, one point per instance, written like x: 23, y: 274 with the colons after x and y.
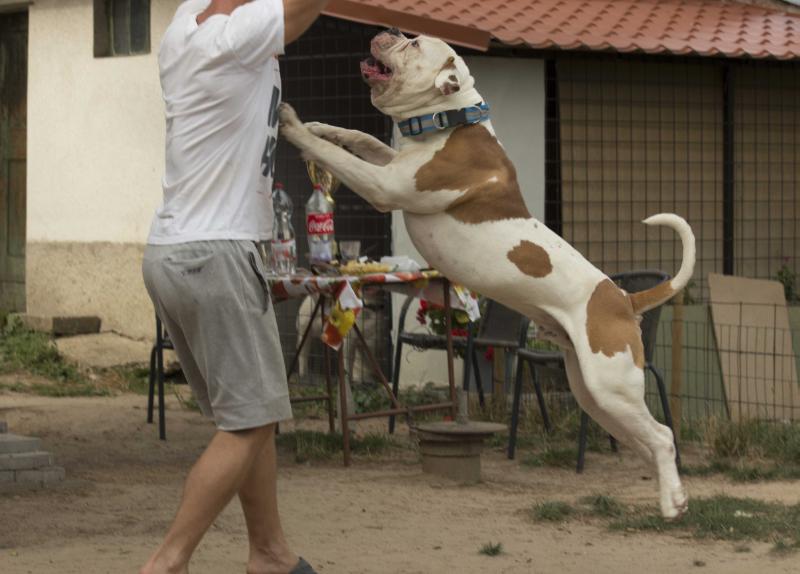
x: 370, y: 67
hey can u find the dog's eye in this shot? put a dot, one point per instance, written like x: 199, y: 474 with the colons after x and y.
x: 415, y: 43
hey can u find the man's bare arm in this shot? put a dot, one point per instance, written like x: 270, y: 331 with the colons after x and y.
x: 298, y: 16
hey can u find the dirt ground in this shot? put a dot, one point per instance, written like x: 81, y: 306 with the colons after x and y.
x: 379, y: 516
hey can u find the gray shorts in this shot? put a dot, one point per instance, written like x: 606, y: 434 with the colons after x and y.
x: 214, y: 301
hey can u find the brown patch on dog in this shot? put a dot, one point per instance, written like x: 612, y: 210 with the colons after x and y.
x: 531, y: 259
x: 651, y: 298
x: 473, y: 161
x: 611, y: 324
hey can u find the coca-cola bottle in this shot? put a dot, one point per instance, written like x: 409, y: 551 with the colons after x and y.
x: 283, y: 249
x: 319, y: 225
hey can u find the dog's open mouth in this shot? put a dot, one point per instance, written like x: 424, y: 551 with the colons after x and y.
x: 373, y: 70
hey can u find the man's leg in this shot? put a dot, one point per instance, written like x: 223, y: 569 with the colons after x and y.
x: 211, y: 484
x: 269, y: 552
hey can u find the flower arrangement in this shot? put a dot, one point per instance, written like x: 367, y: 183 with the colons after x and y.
x: 432, y: 316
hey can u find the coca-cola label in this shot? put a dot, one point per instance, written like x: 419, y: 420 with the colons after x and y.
x: 319, y: 223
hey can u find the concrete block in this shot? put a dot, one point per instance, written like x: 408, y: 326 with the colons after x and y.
x: 6, y: 476
x: 60, y: 326
x: 3, y: 427
x: 25, y: 460
x: 12, y: 443
x: 40, y: 476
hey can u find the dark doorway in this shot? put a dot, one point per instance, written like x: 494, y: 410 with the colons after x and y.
x: 13, y: 149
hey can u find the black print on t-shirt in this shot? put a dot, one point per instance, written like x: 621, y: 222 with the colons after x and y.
x: 268, y: 159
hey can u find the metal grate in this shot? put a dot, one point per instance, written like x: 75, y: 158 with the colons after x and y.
x: 711, y: 140
x: 322, y: 81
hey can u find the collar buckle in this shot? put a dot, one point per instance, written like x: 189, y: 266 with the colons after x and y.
x: 440, y: 120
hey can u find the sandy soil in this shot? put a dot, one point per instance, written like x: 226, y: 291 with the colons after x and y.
x: 379, y: 516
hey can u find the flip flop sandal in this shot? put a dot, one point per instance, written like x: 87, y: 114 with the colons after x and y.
x: 303, y: 567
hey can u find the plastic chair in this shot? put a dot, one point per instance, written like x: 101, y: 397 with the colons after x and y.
x: 157, y: 376
x: 631, y: 282
x: 500, y: 327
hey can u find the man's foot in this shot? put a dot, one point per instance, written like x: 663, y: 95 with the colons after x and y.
x: 159, y: 565
x: 271, y: 562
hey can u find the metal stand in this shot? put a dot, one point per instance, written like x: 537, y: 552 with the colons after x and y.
x: 397, y: 407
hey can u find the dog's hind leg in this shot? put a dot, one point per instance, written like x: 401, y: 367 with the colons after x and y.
x: 613, y: 395
x: 588, y: 404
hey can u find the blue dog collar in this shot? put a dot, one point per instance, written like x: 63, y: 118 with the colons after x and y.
x: 438, y: 121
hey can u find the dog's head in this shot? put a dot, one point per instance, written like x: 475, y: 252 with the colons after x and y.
x: 413, y: 73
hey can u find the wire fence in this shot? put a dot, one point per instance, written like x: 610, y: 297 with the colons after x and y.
x: 713, y: 140
x: 712, y: 369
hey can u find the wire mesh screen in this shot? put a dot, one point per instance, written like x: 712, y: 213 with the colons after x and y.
x: 731, y: 371
x: 322, y: 80
x: 711, y: 140
x: 766, y: 150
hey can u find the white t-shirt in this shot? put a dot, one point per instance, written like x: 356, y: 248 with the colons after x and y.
x: 221, y: 87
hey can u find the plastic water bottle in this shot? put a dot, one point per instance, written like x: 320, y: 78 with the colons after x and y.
x: 319, y: 225
x: 283, y: 248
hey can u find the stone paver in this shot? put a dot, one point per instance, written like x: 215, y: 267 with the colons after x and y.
x: 25, y: 460
x: 12, y: 443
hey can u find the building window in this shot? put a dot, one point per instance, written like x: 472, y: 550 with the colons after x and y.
x: 121, y: 27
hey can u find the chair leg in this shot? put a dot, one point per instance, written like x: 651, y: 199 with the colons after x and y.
x: 548, y: 426
x: 662, y: 392
x: 162, y: 424
x: 152, y: 387
x: 398, y: 353
x: 582, y: 442
x: 468, y: 354
x: 512, y: 435
x: 478, y: 380
x: 508, y: 355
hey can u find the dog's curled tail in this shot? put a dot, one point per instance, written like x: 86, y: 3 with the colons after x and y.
x: 646, y: 300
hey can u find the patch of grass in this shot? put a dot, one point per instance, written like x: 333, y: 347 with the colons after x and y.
x: 602, y: 505
x: 56, y: 390
x: 490, y: 549
x: 743, y: 472
x: 189, y: 402
x: 552, y: 511
x: 312, y: 445
x: 776, y: 441
x: 36, y: 353
x: 131, y: 378
x: 723, y: 518
x: 552, y: 456
x: 782, y: 546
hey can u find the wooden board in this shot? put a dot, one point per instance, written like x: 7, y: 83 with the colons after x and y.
x: 754, y: 342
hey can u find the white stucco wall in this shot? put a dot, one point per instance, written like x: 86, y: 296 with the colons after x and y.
x: 95, y: 129
x: 95, y: 159
x: 515, y: 91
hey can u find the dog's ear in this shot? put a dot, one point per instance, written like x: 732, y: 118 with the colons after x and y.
x: 447, y: 80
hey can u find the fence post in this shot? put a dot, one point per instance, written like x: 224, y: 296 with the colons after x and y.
x: 676, y: 382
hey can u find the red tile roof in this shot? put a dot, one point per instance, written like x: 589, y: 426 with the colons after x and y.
x: 703, y: 27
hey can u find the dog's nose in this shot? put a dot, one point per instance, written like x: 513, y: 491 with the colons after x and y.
x: 394, y: 32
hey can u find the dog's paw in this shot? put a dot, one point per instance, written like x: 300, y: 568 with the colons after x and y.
x: 288, y: 118
x: 325, y: 131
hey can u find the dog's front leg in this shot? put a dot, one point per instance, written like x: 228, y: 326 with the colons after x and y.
x: 363, y: 145
x: 382, y: 186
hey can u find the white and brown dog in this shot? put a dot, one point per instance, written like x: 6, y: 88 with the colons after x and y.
x: 465, y: 214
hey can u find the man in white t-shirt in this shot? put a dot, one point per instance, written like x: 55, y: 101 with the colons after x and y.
x: 221, y: 85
